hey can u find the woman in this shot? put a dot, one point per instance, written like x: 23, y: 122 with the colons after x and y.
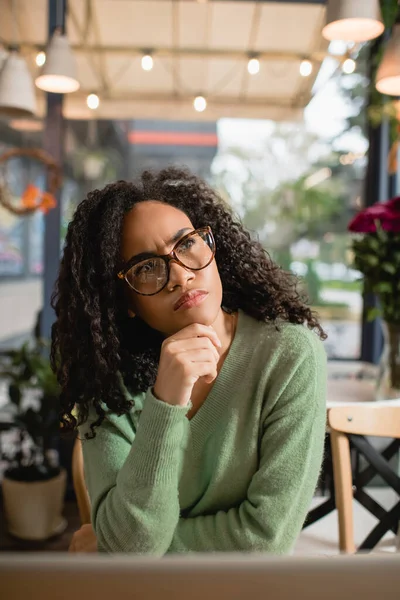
x: 196, y: 372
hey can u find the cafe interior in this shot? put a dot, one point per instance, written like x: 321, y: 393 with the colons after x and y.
x: 290, y: 111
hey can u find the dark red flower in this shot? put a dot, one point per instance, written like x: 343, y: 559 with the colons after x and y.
x: 387, y: 213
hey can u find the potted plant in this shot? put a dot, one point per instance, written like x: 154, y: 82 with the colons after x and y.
x: 377, y: 256
x: 33, y: 484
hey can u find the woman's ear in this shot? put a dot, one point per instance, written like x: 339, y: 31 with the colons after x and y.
x: 131, y: 313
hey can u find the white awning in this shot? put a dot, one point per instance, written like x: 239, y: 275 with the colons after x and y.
x: 198, y: 48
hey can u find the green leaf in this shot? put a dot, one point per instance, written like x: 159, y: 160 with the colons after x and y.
x: 389, y: 12
x: 371, y: 259
x: 381, y: 233
x: 372, y: 242
x: 383, y: 287
x: 389, y: 268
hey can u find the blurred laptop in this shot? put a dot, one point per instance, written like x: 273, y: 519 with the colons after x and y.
x: 211, y: 577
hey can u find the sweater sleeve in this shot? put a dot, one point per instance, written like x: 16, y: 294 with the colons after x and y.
x: 271, y: 516
x: 133, y: 479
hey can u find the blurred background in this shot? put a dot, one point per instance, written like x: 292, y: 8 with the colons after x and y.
x: 249, y: 95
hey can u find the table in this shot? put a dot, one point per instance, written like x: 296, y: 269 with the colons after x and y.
x: 349, y: 384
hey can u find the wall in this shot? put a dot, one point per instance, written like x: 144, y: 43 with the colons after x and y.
x: 20, y: 302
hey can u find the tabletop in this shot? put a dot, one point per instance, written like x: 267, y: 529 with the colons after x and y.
x: 353, y: 382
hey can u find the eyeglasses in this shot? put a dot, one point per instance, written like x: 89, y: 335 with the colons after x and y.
x: 195, y: 251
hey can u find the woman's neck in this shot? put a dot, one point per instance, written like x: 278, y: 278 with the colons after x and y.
x: 225, y: 327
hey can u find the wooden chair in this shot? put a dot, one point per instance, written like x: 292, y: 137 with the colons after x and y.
x: 348, y: 426
x: 78, y: 478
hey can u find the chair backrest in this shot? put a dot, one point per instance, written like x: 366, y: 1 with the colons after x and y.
x: 367, y: 420
x: 78, y: 478
x: 375, y: 420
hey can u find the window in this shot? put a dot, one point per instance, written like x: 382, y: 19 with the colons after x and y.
x: 296, y: 186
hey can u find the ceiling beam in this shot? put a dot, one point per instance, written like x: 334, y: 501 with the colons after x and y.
x: 254, y: 28
x: 96, y: 31
x: 82, y: 33
x: 220, y: 53
x: 163, y: 98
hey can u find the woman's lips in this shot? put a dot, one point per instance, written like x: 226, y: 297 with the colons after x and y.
x: 191, y: 299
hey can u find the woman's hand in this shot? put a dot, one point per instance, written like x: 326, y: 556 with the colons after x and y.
x: 185, y: 357
x: 84, y: 540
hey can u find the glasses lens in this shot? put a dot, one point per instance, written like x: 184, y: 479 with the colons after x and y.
x: 148, y: 276
x: 196, y: 251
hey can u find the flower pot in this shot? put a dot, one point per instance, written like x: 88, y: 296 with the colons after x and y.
x: 388, y: 383
x: 33, y: 510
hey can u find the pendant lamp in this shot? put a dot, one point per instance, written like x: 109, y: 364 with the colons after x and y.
x: 17, y: 92
x: 353, y: 20
x: 388, y: 75
x: 59, y: 73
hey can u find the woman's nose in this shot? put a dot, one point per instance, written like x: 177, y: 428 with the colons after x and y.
x: 178, y: 275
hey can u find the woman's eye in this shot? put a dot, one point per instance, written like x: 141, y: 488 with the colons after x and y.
x: 143, y: 269
x: 187, y: 244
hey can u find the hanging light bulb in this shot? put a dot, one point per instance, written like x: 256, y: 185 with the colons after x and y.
x: 253, y: 66
x: 147, y: 62
x: 353, y: 20
x: 388, y: 76
x: 306, y: 68
x: 17, y: 93
x: 349, y: 66
x: 93, y: 101
x: 200, y: 104
x: 59, y: 71
x: 40, y: 58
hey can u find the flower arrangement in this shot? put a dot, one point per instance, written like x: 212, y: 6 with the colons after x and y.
x: 377, y: 256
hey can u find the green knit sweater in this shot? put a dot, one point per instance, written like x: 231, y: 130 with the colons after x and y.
x: 239, y: 476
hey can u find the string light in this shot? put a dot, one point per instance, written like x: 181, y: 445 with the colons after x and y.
x: 200, y: 104
x: 253, y: 66
x: 147, y: 62
x: 40, y: 58
x: 93, y: 101
x: 306, y: 68
x: 349, y: 66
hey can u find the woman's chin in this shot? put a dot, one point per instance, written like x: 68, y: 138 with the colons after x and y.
x: 203, y: 315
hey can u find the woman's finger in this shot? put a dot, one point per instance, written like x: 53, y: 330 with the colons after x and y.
x: 193, y: 331
x: 192, y: 345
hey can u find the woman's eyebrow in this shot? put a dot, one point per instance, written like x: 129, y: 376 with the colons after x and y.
x: 144, y: 255
x: 179, y: 234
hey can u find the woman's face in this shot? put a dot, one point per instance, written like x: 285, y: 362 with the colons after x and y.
x: 154, y: 227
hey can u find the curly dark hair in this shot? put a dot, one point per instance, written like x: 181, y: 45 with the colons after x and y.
x: 94, y: 342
